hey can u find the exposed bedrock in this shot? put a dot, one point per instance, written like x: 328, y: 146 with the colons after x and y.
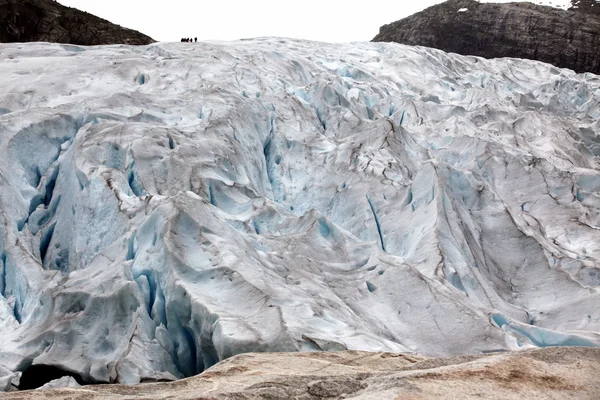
x: 50, y: 21
x: 564, y: 38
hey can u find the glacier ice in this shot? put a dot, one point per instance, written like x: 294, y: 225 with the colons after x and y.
x: 169, y: 206
x: 64, y: 382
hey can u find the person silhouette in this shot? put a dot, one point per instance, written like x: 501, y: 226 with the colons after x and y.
x: 196, y: 39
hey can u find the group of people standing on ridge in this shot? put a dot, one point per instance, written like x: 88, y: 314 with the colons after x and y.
x: 189, y: 40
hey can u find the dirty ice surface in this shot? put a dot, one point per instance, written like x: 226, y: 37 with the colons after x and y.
x: 165, y: 207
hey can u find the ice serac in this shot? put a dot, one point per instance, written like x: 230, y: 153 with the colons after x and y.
x: 166, y: 207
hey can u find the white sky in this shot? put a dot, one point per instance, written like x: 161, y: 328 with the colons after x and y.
x: 323, y: 20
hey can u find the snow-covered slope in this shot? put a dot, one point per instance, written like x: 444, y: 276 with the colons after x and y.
x: 166, y: 207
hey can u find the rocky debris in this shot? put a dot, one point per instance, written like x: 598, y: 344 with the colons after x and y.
x: 549, y: 373
x: 564, y: 38
x: 49, y: 21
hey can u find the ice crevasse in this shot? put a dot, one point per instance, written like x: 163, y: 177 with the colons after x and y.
x: 165, y: 207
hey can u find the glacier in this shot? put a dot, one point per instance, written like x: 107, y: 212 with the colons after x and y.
x: 166, y: 207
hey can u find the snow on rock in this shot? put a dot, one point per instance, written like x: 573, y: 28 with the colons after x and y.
x: 166, y: 207
x: 564, y: 4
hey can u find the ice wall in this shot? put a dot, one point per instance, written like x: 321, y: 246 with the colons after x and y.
x: 165, y: 207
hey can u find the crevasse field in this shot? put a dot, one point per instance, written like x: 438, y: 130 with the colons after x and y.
x: 165, y: 207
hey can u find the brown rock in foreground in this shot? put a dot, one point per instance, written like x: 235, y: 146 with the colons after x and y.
x: 49, y: 21
x: 550, y: 373
x: 566, y: 39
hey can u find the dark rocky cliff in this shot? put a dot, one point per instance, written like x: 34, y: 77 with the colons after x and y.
x: 588, y: 6
x: 564, y: 38
x: 49, y: 21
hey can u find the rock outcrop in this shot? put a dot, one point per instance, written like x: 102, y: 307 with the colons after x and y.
x: 49, y: 21
x: 588, y: 6
x: 550, y: 373
x: 564, y: 38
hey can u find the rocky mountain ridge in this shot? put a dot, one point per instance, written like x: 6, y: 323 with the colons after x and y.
x: 49, y: 21
x: 564, y: 38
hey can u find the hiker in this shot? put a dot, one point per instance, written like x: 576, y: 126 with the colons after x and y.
x: 196, y: 40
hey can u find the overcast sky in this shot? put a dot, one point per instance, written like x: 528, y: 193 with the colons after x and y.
x: 323, y: 20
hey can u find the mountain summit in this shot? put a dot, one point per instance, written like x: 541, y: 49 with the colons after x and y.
x: 49, y: 21
x: 564, y: 38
